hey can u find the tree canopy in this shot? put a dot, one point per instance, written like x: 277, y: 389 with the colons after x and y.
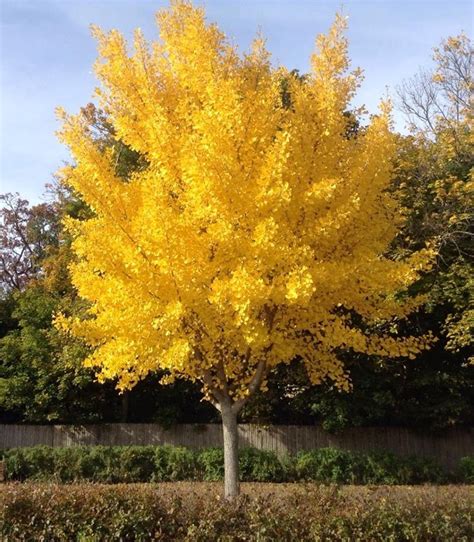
x: 255, y: 231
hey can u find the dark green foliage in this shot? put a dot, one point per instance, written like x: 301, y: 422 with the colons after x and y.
x: 466, y: 469
x: 261, y: 466
x: 255, y: 465
x: 174, y: 463
x: 340, y: 466
x: 42, y: 378
x: 137, y: 463
x: 113, y: 464
x: 31, y: 512
x: 431, y: 393
x: 326, y: 465
x: 31, y: 463
x: 99, y: 463
x: 211, y: 462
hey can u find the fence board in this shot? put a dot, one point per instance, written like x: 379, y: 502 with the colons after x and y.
x: 447, y: 448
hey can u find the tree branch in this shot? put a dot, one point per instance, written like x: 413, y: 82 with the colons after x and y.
x: 253, y: 386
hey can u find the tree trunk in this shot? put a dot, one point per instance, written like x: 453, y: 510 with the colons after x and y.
x: 231, y: 452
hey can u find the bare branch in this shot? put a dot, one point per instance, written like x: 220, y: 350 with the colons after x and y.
x: 443, y: 94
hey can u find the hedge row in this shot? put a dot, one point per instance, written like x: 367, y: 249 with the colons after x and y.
x: 194, y: 512
x: 116, y: 464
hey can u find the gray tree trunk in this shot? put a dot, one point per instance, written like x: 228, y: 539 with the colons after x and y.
x: 231, y: 452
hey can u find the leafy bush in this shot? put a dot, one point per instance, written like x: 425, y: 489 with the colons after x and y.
x: 96, y: 463
x: 387, y: 468
x: 344, y: 467
x: 195, y: 512
x: 174, y: 463
x: 466, y: 469
x: 137, y: 463
x: 211, y: 462
x: 260, y: 466
x: 29, y: 463
x: 67, y: 463
x: 113, y: 464
x: 324, y: 465
x: 255, y: 465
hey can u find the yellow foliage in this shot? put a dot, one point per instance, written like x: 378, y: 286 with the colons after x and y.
x: 256, y: 226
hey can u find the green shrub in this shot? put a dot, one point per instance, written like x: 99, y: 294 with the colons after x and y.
x: 67, y: 463
x: 211, y: 461
x: 466, y: 469
x: 325, y: 465
x: 255, y: 465
x: 260, y: 466
x: 137, y: 463
x: 113, y: 464
x: 343, y: 467
x: 387, y: 468
x: 100, y: 464
x: 424, y: 470
x: 29, y: 463
x: 174, y: 463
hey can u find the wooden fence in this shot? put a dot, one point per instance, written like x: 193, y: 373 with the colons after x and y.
x: 447, y: 448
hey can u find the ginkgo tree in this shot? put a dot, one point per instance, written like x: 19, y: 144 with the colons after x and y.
x: 255, y: 233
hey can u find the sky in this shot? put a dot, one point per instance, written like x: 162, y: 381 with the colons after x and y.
x: 47, y: 53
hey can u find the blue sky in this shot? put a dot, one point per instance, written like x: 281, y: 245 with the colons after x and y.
x: 47, y: 54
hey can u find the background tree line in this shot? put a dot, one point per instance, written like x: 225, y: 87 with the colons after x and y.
x: 41, y: 374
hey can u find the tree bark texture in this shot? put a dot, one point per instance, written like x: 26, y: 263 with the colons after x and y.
x: 231, y: 452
